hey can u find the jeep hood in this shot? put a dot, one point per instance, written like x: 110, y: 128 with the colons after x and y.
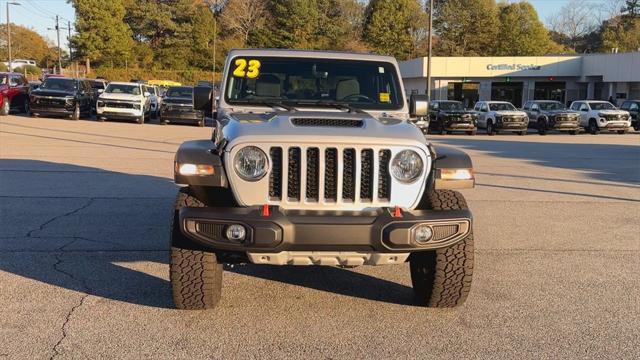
x: 126, y: 97
x: 319, y: 127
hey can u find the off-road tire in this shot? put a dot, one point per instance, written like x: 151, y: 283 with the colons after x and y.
x: 25, y: 107
x: 195, y: 274
x: 6, y: 106
x: 490, y: 130
x: 593, y: 127
x: 542, y: 127
x: 442, y: 278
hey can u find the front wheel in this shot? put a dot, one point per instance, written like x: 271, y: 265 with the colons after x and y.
x: 76, y: 113
x: 140, y: 120
x: 442, y: 278
x: 195, y: 273
x: 6, y: 106
x: 542, y: 127
x: 593, y: 127
x: 621, y: 132
x: 490, y: 130
x: 471, y: 133
x: 522, y: 133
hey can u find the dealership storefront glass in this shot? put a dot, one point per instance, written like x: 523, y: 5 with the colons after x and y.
x: 519, y: 79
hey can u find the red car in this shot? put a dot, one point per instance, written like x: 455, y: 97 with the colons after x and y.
x: 14, y: 91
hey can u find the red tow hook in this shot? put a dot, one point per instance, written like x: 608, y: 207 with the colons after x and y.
x: 397, y: 213
x: 266, y: 212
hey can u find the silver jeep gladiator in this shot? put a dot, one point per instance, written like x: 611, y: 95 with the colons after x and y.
x: 313, y: 160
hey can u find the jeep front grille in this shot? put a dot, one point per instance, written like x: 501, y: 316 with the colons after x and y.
x: 352, y: 181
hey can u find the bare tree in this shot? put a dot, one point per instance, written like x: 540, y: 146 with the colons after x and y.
x: 610, y: 9
x: 575, y: 20
x: 243, y: 16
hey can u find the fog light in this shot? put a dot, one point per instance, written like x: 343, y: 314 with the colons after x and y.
x: 422, y: 234
x: 236, y: 232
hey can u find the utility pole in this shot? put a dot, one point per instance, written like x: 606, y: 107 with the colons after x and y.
x: 429, y: 53
x: 9, y: 35
x: 57, y: 29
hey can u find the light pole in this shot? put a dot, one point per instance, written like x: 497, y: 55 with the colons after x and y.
x: 429, y: 53
x: 9, y: 35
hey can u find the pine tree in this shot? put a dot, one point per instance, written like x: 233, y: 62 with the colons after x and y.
x: 389, y: 26
x: 521, y: 32
x: 102, y: 35
x: 466, y: 27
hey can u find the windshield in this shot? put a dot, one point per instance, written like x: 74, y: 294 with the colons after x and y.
x: 303, y: 81
x: 551, y: 106
x: 501, y: 107
x: 97, y: 85
x: 123, y: 89
x: 601, y: 106
x: 183, y: 91
x: 59, y: 84
x: 451, y: 105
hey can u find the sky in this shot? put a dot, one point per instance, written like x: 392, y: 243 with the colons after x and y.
x: 39, y: 15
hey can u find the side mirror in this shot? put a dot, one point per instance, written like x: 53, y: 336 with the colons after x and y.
x: 202, y: 98
x: 147, y: 94
x: 100, y: 91
x: 418, y: 105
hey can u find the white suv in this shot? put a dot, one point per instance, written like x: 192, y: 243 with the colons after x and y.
x: 497, y: 116
x: 127, y: 101
x: 596, y: 116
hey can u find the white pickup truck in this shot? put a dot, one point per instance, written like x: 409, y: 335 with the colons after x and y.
x: 596, y: 116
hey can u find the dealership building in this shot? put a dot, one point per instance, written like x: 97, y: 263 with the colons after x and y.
x: 518, y: 79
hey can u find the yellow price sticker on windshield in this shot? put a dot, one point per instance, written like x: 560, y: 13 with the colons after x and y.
x: 385, y: 97
x: 249, y: 69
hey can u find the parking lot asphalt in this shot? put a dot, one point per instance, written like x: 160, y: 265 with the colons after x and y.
x: 84, y: 217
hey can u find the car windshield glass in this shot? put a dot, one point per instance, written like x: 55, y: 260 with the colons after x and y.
x: 451, y: 105
x: 97, y: 84
x: 551, y: 106
x: 183, y: 91
x: 123, y: 89
x: 3, y: 79
x: 360, y: 84
x: 501, y: 106
x: 59, y: 84
x: 601, y: 106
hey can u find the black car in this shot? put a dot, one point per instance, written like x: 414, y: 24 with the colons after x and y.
x: 177, y: 106
x: 62, y: 96
x: 449, y: 116
x: 633, y: 107
x: 548, y: 115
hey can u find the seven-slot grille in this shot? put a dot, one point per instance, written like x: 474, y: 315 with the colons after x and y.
x: 329, y: 174
x: 119, y: 105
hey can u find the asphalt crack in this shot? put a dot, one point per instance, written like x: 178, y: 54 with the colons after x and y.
x: 72, y: 212
x: 86, y: 289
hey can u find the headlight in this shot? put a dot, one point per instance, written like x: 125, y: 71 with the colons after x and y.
x: 100, y: 103
x: 251, y: 163
x: 136, y: 106
x: 406, y: 166
x: 601, y: 114
x: 69, y: 100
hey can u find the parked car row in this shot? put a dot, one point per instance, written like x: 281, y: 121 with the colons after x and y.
x: 78, y: 98
x: 593, y: 116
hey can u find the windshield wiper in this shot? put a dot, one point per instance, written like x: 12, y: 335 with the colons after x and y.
x: 333, y: 104
x: 269, y: 103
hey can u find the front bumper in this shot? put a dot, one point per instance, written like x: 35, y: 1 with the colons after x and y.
x: 512, y: 125
x: 43, y: 109
x: 376, y: 231
x: 181, y: 115
x: 118, y: 113
x: 459, y: 126
x: 605, y: 124
x: 565, y: 125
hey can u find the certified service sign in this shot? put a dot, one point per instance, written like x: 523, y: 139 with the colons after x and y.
x: 513, y: 67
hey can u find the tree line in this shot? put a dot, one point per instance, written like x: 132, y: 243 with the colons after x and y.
x: 195, y: 34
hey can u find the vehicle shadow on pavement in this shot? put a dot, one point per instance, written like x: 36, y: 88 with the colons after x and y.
x: 335, y: 280
x: 621, y: 163
x: 106, y: 234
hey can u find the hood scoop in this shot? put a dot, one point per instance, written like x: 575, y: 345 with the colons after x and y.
x: 328, y: 122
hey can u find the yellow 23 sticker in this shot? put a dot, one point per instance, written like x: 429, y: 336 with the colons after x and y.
x: 249, y: 69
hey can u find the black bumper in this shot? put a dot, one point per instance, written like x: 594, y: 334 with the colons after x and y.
x: 377, y: 231
x: 181, y: 116
x: 50, y: 110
